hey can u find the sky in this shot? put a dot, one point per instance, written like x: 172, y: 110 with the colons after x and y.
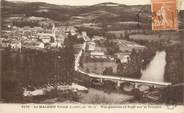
x: 92, y: 2
x: 89, y: 2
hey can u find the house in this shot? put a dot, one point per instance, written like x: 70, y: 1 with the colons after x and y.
x: 91, y: 46
x: 5, y: 43
x: 128, y: 46
x: 97, y: 48
x: 45, y: 37
x: 16, y: 45
x: 97, y: 38
x: 39, y: 45
x: 84, y: 35
x: 124, y: 57
x: 97, y: 53
x: 56, y: 44
x: 33, y: 44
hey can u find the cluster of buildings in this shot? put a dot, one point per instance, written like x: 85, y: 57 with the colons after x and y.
x: 94, y: 50
x: 49, y: 87
x: 125, y: 49
x: 35, y: 38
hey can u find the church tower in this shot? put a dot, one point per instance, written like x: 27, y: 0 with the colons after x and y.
x: 54, y: 32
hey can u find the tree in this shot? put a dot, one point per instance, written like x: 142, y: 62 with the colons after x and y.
x: 111, y: 46
x: 133, y: 67
x: 11, y: 91
x: 121, y: 69
x: 108, y: 71
x: 126, y: 35
x: 68, y: 60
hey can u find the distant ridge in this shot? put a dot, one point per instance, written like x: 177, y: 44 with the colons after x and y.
x: 107, y: 4
x: 99, y: 12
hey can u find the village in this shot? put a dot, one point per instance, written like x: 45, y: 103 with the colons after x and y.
x: 103, y: 53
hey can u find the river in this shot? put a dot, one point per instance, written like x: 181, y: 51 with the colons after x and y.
x: 156, y: 68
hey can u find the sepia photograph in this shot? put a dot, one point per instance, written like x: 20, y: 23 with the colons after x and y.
x: 94, y: 52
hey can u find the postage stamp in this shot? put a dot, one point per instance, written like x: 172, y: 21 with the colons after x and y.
x: 164, y: 15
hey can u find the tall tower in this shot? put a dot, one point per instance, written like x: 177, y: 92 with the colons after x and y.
x: 54, y: 32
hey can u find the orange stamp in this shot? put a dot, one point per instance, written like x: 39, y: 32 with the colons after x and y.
x: 164, y: 15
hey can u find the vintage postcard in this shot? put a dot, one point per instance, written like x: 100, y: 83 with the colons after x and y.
x: 92, y: 56
x: 164, y: 15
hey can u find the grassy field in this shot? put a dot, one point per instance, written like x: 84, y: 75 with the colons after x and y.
x: 100, y: 97
x: 117, y: 34
x: 156, y: 37
x: 99, y: 67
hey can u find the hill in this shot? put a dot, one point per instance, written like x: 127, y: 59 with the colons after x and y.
x: 103, y: 13
x: 64, y: 13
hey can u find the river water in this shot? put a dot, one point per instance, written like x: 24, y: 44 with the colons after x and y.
x: 156, y: 68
